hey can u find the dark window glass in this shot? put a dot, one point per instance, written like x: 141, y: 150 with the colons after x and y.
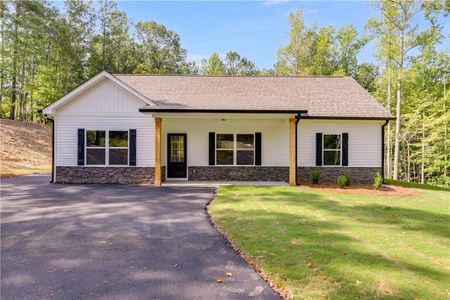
x: 118, y: 156
x: 118, y: 138
x: 245, y: 141
x: 177, y: 149
x: 95, y: 138
x: 95, y: 156
x: 331, y: 141
x: 225, y: 141
x: 245, y: 157
x: 225, y: 157
x: 332, y: 158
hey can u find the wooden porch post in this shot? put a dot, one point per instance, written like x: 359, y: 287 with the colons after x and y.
x: 292, y: 152
x: 158, y: 151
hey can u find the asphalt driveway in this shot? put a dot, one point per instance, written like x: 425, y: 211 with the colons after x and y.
x: 115, y: 242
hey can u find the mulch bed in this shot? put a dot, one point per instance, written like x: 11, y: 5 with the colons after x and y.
x: 358, y: 188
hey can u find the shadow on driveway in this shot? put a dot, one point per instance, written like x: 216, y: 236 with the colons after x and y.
x: 115, y: 242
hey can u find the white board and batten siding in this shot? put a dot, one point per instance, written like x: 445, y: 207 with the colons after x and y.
x: 103, y: 107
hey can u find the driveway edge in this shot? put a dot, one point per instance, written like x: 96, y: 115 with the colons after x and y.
x: 274, y: 286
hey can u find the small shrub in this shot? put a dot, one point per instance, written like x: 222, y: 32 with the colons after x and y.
x: 344, y: 180
x: 315, y: 176
x: 377, y: 181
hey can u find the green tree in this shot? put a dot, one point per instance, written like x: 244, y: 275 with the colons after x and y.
x: 349, y: 44
x: 79, y: 19
x: 398, y: 34
x: 366, y: 74
x: 213, y: 66
x: 237, y: 65
x: 323, y: 53
x: 293, y: 58
x: 158, y: 49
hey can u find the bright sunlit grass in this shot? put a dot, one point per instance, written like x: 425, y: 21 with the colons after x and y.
x: 322, y: 245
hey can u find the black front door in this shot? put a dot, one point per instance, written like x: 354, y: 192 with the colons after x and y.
x: 176, y: 155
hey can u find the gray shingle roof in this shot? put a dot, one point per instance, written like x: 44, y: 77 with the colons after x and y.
x: 321, y: 96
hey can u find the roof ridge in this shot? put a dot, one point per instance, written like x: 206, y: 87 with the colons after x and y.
x: 235, y: 76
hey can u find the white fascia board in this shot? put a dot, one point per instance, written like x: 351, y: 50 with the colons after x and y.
x: 50, y: 110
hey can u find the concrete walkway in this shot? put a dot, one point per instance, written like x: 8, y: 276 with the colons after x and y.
x: 115, y: 242
x: 183, y: 183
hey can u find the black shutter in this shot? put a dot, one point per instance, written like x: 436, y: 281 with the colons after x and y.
x: 212, y: 148
x: 257, y: 148
x: 132, y: 151
x: 345, y: 149
x: 318, y: 149
x: 80, y: 146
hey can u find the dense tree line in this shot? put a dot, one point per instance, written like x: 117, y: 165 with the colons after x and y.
x: 413, y: 87
x: 45, y: 53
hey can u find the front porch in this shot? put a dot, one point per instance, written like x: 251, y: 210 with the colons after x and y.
x: 225, y: 147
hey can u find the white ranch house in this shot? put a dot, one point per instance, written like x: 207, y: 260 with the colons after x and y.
x: 151, y: 128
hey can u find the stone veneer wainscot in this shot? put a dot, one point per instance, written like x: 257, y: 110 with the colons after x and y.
x: 124, y: 175
x: 263, y: 173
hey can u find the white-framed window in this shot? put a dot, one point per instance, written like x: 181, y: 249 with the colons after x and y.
x: 332, y: 149
x: 235, y: 149
x: 107, y: 147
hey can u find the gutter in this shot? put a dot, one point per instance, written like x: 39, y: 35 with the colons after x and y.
x: 258, y: 111
x: 382, y: 148
x: 248, y: 111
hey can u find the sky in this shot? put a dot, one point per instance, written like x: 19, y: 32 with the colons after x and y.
x: 255, y: 29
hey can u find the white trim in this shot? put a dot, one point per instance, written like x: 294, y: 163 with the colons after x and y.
x: 235, y: 149
x: 340, y: 150
x: 50, y: 110
x: 106, y: 148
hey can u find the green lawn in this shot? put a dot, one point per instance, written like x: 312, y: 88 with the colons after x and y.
x: 334, y: 245
x: 415, y: 185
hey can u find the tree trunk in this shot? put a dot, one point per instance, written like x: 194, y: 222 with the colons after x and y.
x: 408, y: 166
x: 2, y: 39
x: 422, y: 169
x: 445, y: 131
x: 104, y: 45
x: 388, y: 156
x: 397, y: 130
x: 12, y: 109
x: 31, y: 108
x: 22, y: 96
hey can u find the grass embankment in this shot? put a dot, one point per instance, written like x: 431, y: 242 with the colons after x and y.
x: 322, y: 244
x: 25, y: 148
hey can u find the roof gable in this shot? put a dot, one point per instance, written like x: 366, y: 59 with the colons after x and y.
x: 91, y: 83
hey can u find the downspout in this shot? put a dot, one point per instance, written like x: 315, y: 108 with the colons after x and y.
x: 53, y: 148
x: 297, y: 119
x: 382, y: 148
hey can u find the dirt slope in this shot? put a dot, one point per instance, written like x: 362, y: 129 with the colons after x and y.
x: 25, y: 148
